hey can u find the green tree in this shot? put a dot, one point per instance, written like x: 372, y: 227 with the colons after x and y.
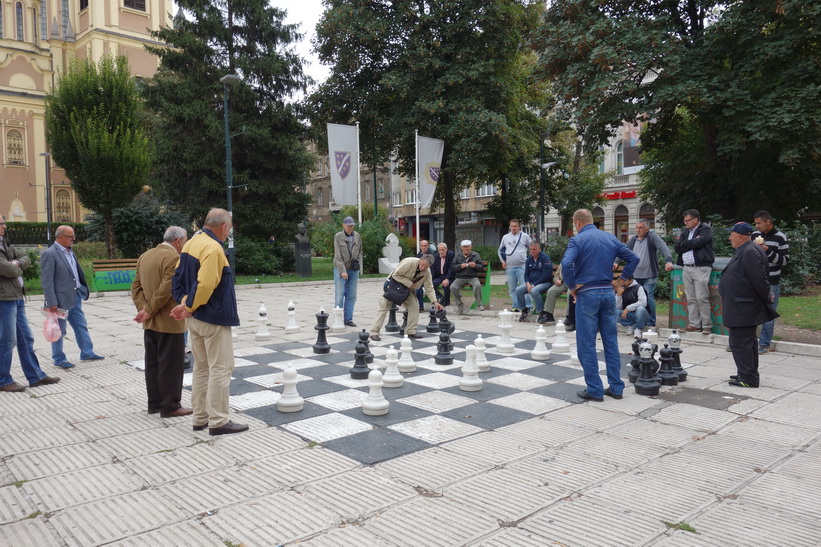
x: 730, y: 88
x: 270, y: 161
x: 95, y: 131
x: 457, y: 71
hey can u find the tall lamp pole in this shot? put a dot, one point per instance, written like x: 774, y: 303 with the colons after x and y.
x: 47, y: 157
x: 229, y: 176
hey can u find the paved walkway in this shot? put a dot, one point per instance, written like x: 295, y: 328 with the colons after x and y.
x: 84, y: 464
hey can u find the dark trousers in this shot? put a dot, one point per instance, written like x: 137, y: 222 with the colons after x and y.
x: 164, y: 363
x: 444, y: 296
x: 570, y: 318
x: 744, y: 346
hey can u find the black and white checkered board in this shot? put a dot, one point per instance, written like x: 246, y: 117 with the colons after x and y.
x: 427, y: 410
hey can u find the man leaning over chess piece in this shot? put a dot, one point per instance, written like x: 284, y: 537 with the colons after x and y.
x: 163, y: 336
x: 14, y: 326
x: 413, y: 273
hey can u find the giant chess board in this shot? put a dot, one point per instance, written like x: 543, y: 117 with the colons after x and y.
x: 428, y: 409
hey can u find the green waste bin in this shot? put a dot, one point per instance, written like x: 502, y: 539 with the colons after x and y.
x: 677, y: 314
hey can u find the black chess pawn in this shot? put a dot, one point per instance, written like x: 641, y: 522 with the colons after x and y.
x: 635, y: 372
x: 360, y: 368
x: 675, y: 347
x: 656, y: 364
x: 404, y: 323
x: 392, y: 325
x: 321, y: 327
x: 668, y: 377
x: 365, y: 339
x: 443, y: 357
x: 646, y: 384
x: 433, y: 325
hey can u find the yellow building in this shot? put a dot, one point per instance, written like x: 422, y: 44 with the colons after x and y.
x: 37, y: 41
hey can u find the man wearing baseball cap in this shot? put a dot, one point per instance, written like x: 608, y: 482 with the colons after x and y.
x: 746, y: 302
x: 466, y: 266
x: 347, y: 263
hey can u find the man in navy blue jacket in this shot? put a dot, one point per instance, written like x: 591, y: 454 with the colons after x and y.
x: 538, y: 278
x: 587, y: 267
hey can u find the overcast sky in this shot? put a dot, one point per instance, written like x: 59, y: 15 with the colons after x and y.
x: 306, y: 13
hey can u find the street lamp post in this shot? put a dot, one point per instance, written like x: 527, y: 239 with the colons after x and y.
x: 229, y: 176
x: 47, y: 157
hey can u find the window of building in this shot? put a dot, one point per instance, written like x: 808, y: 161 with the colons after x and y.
x: 648, y: 212
x: 484, y: 190
x: 15, y: 152
x: 598, y: 217
x: 64, y: 17
x: 397, y: 199
x: 135, y: 4
x: 410, y: 197
x: 619, y: 158
x: 367, y: 192
x: 1, y: 20
x: 465, y: 194
x: 319, y: 200
x: 621, y: 223
x: 62, y: 206
x: 83, y: 4
x: 43, y: 20
x: 19, y: 14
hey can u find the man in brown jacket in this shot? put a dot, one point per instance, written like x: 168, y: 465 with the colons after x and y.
x: 163, y: 335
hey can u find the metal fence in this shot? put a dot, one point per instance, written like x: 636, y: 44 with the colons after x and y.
x: 35, y: 233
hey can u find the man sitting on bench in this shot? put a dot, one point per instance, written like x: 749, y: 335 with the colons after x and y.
x: 538, y: 278
x: 466, y: 267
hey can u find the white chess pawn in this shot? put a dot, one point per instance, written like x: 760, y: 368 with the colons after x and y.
x: 540, y: 351
x: 560, y: 345
x: 337, y: 325
x: 262, y: 331
x: 392, y: 378
x: 375, y: 403
x: 406, y: 363
x: 292, y: 327
x: 505, y: 345
x: 290, y: 400
x: 481, y: 360
x: 470, y: 380
x: 574, y: 358
x: 651, y: 335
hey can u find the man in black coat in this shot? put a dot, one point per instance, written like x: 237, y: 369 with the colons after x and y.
x: 441, y: 273
x: 746, y: 302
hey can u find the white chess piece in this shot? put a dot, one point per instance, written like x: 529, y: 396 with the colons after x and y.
x: 540, y: 351
x: 262, y: 331
x: 290, y: 400
x: 481, y: 360
x: 560, y: 345
x: 337, y: 325
x: 392, y: 378
x: 406, y: 363
x: 574, y: 358
x: 505, y: 345
x: 470, y: 380
x: 375, y: 403
x: 651, y: 335
x: 292, y: 327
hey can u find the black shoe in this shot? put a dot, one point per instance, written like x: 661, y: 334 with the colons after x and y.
x: 228, y: 428
x: 525, y: 313
x: 570, y: 328
x: 587, y: 397
x: 734, y: 377
x: 609, y: 393
x: 414, y: 336
x: 200, y: 427
x: 46, y: 380
x: 350, y: 324
x: 376, y: 338
x: 740, y: 383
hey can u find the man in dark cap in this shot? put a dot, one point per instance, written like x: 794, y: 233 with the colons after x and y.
x: 347, y: 263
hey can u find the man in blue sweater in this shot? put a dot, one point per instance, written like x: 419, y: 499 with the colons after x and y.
x: 587, y: 267
x: 538, y: 278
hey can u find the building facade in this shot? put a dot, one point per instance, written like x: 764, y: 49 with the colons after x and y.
x: 38, y: 40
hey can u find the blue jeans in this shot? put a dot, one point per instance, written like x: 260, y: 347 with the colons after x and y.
x: 637, y: 319
x: 515, y: 279
x: 649, y: 285
x: 594, y: 313
x: 345, y: 293
x: 535, y: 294
x: 78, y: 322
x: 15, y: 331
x: 767, y: 328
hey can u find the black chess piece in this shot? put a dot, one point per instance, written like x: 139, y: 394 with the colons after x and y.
x: 404, y: 324
x: 360, y: 368
x: 365, y: 339
x: 675, y: 347
x: 443, y: 357
x: 433, y: 325
x: 635, y: 372
x: 646, y: 384
x: 668, y: 377
x: 444, y: 322
x: 322, y: 345
x: 656, y: 364
x: 392, y: 325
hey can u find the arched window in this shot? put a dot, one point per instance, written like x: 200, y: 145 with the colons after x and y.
x: 62, y: 206
x: 15, y: 152
x: 619, y: 158
x: 44, y: 19
x: 33, y: 25
x: 598, y: 217
x: 621, y: 223
x: 1, y: 21
x: 19, y: 11
x: 648, y: 212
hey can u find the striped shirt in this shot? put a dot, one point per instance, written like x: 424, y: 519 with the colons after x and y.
x: 778, y: 252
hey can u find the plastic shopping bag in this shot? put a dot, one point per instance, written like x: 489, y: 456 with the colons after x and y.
x: 51, y: 327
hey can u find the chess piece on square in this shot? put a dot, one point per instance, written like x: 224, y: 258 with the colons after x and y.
x: 443, y: 355
x: 560, y: 345
x: 646, y: 384
x: 505, y: 345
x: 290, y: 401
x: 392, y: 325
x: 262, y: 330
x: 392, y: 378
x: 675, y: 346
x: 433, y: 324
x: 360, y: 368
x: 481, y: 359
x: 366, y: 339
x: 668, y: 377
x: 406, y: 363
x: 338, y: 324
x: 321, y: 345
x: 292, y: 326
x: 470, y: 380
x: 540, y: 351
x: 404, y: 323
x: 375, y: 403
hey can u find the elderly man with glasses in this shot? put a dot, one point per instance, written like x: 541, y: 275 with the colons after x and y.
x: 695, y: 255
x: 64, y: 286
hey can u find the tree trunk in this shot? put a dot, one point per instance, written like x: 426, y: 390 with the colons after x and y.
x: 109, y: 235
x: 450, y: 210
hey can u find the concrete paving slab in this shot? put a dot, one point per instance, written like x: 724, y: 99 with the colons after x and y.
x: 513, y: 537
x: 764, y: 431
x: 184, y: 534
x: 303, y: 466
x: 82, y: 486
x: 15, y: 504
x: 794, y: 408
x: 31, y: 531
x: 58, y: 460
x: 165, y: 467
x: 694, y: 417
x: 432, y: 469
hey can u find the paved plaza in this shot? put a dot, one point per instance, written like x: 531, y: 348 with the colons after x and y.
x: 703, y: 463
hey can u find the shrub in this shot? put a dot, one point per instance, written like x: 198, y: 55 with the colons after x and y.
x: 255, y: 257
x: 373, y: 234
x: 408, y: 245
x: 33, y: 271
x: 91, y: 250
x: 802, y: 269
x: 555, y: 247
x: 489, y: 253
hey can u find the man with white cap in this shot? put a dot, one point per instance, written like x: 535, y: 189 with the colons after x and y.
x: 466, y: 266
x: 347, y: 263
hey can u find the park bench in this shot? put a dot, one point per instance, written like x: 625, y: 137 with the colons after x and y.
x: 113, y: 274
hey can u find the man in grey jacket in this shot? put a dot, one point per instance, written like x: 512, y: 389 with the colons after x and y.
x: 347, y: 263
x: 647, y: 245
x: 465, y: 267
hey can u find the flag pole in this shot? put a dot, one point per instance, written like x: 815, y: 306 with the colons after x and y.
x: 358, y: 184
x: 418, y: 232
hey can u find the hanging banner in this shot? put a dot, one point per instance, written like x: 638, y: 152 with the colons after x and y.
x: 343, y: 152
x: 430, y: 164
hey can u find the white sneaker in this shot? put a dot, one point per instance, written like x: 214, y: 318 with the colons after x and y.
x: 628, y: 330
x: 637, y: 333
x: 480, y: 308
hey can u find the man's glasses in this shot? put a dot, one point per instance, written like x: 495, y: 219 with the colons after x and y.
x: 686, y: 220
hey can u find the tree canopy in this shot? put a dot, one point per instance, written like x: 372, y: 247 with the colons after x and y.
x: 270, y: 160
x: 95, y: 131
x: 456, y: 71
x: 730, y: 88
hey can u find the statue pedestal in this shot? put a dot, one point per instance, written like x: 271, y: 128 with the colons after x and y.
x: 302, y: 259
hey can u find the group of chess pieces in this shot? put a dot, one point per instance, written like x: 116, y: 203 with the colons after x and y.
x: 647, y: 373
